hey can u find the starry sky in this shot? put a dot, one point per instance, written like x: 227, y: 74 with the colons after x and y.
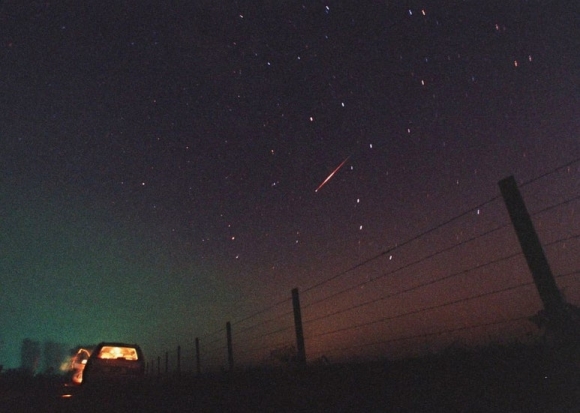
x: 162, y: 162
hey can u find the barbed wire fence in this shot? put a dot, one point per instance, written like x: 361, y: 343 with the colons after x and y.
x: 463, y: 282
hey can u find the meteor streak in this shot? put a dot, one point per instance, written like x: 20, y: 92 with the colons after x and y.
x: 331, y: 174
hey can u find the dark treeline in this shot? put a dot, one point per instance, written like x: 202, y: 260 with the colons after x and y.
x: 46, y: 357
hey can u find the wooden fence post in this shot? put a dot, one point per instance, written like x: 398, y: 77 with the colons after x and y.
x: 558, y: 315
x: 178, y: 359
x: 230, y: 347
x: 166, y: 362
x: 197, y: 358
x: 532, y: 248
x: 300, y: 348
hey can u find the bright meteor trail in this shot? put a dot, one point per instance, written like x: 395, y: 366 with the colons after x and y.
x: 331, y: 174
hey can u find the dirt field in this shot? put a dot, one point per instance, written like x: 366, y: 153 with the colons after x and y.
x: 518, y: 380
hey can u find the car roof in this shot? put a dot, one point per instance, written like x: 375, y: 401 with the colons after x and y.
x: 116, y: 344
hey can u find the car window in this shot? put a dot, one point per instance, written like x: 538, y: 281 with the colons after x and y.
x: 113, y: 352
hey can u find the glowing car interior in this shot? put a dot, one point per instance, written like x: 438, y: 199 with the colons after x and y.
x: 126, y: 353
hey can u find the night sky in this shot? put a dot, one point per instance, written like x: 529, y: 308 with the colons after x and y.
x: 160, y: 162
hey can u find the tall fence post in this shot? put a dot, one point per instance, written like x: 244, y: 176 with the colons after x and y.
x: 197, y: 358
x: 230, y: 347
x: 559, y: 320
x: 300, y: 348
x: 531, y: 247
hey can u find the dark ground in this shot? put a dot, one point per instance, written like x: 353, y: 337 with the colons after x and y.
x: 494, y: 380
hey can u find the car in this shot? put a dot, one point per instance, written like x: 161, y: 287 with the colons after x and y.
x: 112, y: 362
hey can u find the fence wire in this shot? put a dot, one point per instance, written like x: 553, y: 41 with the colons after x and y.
x: 481, y: 269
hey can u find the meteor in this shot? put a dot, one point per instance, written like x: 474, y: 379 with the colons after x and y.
x: 332, y: 174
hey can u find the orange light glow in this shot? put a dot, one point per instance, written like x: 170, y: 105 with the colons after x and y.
x: 77, y: 365
x: 127, y: 353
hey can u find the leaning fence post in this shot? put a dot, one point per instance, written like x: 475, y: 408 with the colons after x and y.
x: 560, y: 316
x: 300, y: 349
x: 532, y: 249
x: 230, y: 348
